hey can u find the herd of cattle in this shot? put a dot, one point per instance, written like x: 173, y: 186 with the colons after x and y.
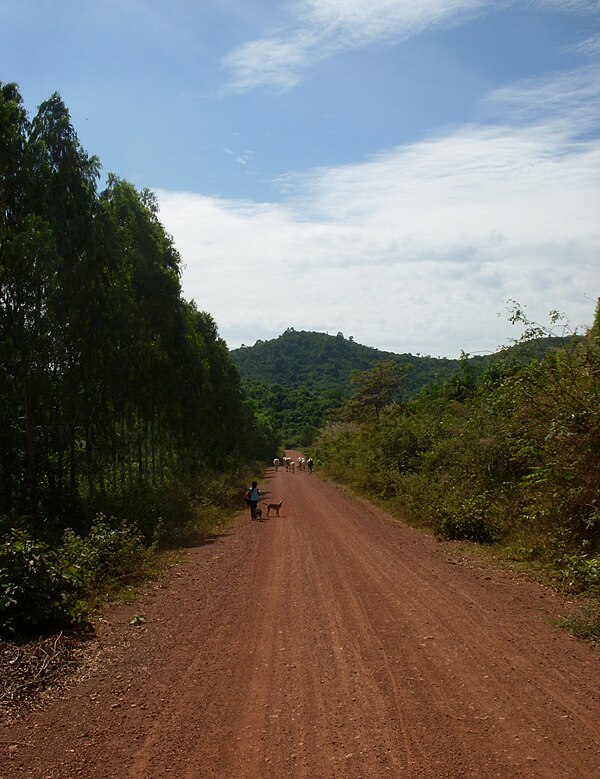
x: 300, y: 464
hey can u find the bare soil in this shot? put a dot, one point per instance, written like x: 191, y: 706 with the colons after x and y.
x: 331, y: 641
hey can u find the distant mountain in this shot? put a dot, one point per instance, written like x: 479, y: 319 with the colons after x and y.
x: 323, y: 363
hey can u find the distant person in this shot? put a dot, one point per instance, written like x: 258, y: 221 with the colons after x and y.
x: 309, y: 464
x: 253, y: 500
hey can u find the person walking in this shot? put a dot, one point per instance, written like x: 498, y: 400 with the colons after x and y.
x: 309, y: 464
x: 253, y: 500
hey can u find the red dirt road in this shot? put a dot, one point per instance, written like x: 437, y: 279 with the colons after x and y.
x: 328, y: 642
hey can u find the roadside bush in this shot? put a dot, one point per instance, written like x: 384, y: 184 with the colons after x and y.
x: 51, y: 583
x: 511, y: 455
x: 472, y: 518
x: 172, y: 515
x: 112, y: 550
x: 336, y: 449
x: 585, y: 623
x: 38, y: 590
x: 46, y: 588
x: 580, y: 571
x: 160, y: 513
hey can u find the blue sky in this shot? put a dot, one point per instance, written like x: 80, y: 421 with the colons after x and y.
x: 394, y: 169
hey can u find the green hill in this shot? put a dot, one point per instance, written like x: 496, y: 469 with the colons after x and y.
x: 322, y: 363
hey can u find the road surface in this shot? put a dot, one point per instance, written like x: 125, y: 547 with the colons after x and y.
x: 329, y: 642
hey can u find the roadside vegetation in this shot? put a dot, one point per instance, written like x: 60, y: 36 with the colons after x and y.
x: 507, y: 456
x: 123, y: 424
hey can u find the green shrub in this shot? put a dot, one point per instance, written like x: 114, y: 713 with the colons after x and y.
x: 44, y: 588
x: 585, y: 623
x: 38, y: 590
x: 579, y: 571
x: 110, y: 551
x: 472, y: 518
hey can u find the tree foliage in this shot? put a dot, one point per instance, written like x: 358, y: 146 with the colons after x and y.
x: 295, y: 413
x: 324, y: 364
x: 301, y: 380
x: 374, y: 389
x: 111, y: 384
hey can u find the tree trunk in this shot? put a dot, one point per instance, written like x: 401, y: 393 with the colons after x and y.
x: 29, y: 436
x: 140, y: 467
x: 73, y: 461
x: 153, y: 450
x: 89, y: 461
x: 122, y: 449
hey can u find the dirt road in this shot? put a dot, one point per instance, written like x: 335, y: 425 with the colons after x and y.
x: 328, y: 642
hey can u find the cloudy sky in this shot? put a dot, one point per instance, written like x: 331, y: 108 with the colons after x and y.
x: 393, y: 169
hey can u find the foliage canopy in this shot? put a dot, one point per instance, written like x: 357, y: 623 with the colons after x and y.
x: 113, y: 388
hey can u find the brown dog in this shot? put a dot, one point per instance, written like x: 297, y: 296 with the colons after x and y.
x: 274, y: 506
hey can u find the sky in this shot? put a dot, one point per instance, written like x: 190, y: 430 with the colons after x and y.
x: 395, y: 170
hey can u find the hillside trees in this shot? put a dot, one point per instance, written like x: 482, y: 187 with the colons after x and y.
x: 296, y: 413
x: 323, y: 363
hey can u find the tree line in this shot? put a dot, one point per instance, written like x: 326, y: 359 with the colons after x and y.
x: 110, y: 382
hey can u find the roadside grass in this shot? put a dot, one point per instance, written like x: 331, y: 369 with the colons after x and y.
x: 125, y: 588
x: 199, y: 520
x: 585, y: 622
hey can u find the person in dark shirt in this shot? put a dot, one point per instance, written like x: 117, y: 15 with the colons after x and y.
x: 253, y: 500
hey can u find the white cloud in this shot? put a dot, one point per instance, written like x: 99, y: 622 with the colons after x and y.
x: 590, y: 47
x: 569, y: 100
x: 415, y: 249
x: 320, y: 28
x: 274, y: 62
x: 360, y: 22
x: 570, y: 5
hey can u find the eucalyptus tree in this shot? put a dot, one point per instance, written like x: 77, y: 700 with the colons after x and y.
x: 17, y: 293
x: 219, y: 421
x: 146, y: 323
x: 108, y: 378
x: 27, y: 268
x: 63, y: 192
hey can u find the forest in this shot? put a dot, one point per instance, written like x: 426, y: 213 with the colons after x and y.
x: 121, y: 413
x: 322, y: 363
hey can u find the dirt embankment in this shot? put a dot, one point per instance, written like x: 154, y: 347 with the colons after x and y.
x: 328, y: 642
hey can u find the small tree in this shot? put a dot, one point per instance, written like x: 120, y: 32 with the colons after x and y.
x: 374, y: 389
